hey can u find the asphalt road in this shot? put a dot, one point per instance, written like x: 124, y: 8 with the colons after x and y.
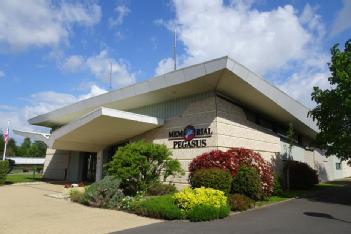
x: 328, y: 211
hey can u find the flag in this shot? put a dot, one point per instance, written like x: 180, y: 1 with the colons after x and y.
x: 6, y: 136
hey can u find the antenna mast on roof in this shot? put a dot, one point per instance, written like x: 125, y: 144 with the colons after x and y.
x: 110, y: 75
x: 175, y: 49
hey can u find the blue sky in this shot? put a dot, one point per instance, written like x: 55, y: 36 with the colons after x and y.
x: 53, y: 53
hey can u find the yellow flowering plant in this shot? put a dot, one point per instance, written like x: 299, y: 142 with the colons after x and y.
x: 189, y: 198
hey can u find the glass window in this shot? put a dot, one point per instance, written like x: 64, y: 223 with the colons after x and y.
x: 338, y: 166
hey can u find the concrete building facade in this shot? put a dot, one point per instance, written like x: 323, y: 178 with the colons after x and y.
x: 220, y: 102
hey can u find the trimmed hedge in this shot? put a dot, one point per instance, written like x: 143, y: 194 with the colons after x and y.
x: 4, y: 169
x: 206, y: 213
x: 167, y: 207
x: 188, y: 198
x: 161, y: 207
x: 248, y: 182
x: 301, y: 175
x: 232, y: 160
x: 239, y: 202
x: 158, y: 189
x: 215, y: 178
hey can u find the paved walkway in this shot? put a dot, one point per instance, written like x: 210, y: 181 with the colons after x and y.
x: 27, y: 209
x: 327, y: 212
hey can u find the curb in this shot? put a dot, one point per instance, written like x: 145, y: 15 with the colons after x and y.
x: 27, y: 183
x: 261, y: 207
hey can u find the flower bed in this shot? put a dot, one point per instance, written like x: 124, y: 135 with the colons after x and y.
x: 214, y: 176
x: 201, y: 204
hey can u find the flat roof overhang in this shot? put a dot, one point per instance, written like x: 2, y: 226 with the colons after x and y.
x: 223, y: 75
x: 37, y: 136
x: 100, y: 128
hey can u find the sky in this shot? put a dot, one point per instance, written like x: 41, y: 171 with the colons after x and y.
x: 53, y: 53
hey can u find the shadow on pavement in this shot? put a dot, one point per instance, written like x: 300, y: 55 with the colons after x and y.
x: 338, y: 192
x: 324, y: 215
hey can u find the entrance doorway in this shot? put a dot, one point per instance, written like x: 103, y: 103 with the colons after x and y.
x: 89, y: 167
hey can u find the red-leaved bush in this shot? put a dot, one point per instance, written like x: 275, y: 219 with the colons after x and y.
x: 232, y: 160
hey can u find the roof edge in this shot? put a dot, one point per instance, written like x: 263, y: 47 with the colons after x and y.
x: 152, y: 84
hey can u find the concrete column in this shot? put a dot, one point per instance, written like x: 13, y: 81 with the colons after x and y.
x: 99, y: 156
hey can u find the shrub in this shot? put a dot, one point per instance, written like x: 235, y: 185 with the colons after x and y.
x: 207, y: 213
x: 215, y: 178
x: 232, y: 160
x: 158, y: 189
x: 76, y: 195
x: 301, y: 175
x: 214, y: 159
x: 277, y: 186
x: 129, y: 202
x: 104, y: 193
x: 248, y: 182
x: 140, y: 164
x: 239, y: 202
x: 12, y: 165
x: 189, y: 198
x: 161, y: 207
x: 4, y: 168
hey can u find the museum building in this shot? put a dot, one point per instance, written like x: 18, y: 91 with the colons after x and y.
x: 217, y: 104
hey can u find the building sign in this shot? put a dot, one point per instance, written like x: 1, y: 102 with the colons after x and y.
x: 190, y: 137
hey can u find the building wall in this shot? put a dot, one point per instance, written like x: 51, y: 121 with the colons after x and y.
x: 235, y: 130
x: 199, y: 111
x: 297, y: 151
x: 230, y: 127
x: 56, y: 164
x: 326, y: 167
x: 309, y: 158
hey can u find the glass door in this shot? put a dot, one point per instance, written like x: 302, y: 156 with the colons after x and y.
x: 89, y: 167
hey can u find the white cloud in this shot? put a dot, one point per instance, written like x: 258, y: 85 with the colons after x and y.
x: 100, y: 66
x: 342, y: 21
x: 300, y: 85
x: 210, y: 29
x: 94, y: 91
x: 275, y: 43
x: 121, y: 12
x: 312, y: 21
x: 39, y: 103
x: 73, y: 63
x: 2, y: 74
x: 313, y: 72
x: 164, y: 66
x: 87, y: 15
x: 40, y: 23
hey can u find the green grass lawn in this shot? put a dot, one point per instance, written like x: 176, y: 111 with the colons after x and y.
x: 22, y: 177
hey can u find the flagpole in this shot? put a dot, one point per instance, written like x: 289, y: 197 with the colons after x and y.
x: 4, y: 155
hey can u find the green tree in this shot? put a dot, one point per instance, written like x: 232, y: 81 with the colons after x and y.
x: 40, y: 149
x: 11, y: 147
x: 333, y: 110
x: 140, y: 164
x: 24, y: 149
